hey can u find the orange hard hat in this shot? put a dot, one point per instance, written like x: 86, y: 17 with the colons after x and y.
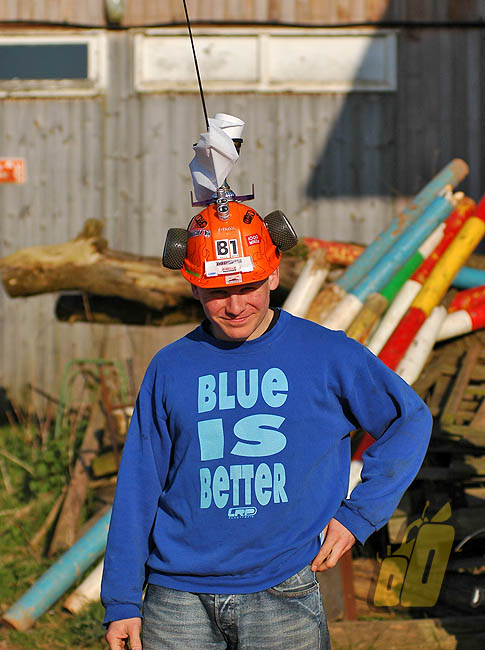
x: 228, y: 244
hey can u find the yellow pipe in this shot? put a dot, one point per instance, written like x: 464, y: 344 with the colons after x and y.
x: 374, y: 306
x: 449, y: 264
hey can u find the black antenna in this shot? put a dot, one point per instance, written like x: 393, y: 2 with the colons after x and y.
x: 196, y: 66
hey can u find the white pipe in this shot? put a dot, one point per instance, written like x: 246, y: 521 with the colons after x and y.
x: 88, y: 591
x: 354, y: 476
x: 343, y: 313
x: 457, y: 323
x: 417, y: 353
x: 307, y: 285
x: 393, y: 315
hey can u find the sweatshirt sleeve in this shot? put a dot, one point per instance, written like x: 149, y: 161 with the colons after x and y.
x: 141, y: 477
x: 385, y: 406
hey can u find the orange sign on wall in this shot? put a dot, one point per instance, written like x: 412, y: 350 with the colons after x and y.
x: 12, y: 170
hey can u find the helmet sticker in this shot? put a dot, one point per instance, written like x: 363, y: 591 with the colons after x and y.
x: 253, y: 239
x: 234, y: 279
x: 199, y: 231
x: 248, y: 217
x: 200, y: 221
x: 226, y: 248
x: 221, y: 267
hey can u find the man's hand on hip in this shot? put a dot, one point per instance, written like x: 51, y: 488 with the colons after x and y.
x: 128, y: 629
x: 337, y: 541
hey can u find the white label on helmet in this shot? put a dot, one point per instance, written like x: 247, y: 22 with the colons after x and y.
x: 223, y: 267
x: 234, y: 279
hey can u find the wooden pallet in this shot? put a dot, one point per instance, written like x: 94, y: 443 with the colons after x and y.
x: 440, y: 373
x: 464, y: 410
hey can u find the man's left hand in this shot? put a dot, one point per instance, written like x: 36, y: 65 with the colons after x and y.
x: 337, y: 541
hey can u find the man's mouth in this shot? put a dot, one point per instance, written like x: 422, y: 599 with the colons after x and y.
x: 235, y: 320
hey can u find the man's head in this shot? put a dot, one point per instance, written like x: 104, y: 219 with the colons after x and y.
x: 238, y: 313
x: 230, y: 255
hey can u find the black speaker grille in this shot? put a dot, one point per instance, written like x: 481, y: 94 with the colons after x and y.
x: 281, y: 231
x: 175, y: 248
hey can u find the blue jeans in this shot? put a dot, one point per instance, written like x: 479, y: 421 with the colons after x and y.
x: 289, y: 616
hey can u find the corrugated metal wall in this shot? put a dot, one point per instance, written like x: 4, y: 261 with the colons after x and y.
x: 308, y: 12
x: 335, y: 163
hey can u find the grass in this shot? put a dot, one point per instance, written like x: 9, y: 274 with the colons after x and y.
x: 58, y: 630
x: 34, y: 468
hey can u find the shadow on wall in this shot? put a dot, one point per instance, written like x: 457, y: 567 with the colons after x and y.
x: 391, y: 143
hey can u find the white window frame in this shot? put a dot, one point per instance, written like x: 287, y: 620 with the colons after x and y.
x: 96, y: 73
x: 246, y: 59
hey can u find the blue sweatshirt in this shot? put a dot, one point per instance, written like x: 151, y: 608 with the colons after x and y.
x: 238, y: 456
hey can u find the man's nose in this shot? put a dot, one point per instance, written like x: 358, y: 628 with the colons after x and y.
x: 235, y: 303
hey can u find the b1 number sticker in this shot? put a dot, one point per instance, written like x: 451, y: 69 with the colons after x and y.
x: 226, y: 248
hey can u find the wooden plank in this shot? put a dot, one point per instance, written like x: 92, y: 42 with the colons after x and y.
x: 477, y: 462
x: 430, y: 375
x: 452, y: 405
x: 475, y: 391
x: 473, y: 465
x: 478, y: 374
x: 432, y: 634
x: 471, y: 434
x: 474, y: 496
x: 478, y: 420
x: 68, y: 523
x: 438, y: 394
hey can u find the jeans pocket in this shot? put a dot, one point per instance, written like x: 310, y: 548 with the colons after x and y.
x: 301, y: 584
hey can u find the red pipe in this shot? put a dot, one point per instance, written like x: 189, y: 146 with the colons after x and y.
x: 337, y: 252
x: 467, y: 299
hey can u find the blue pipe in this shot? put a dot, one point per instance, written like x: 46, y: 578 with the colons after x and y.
x: 466, y: 278
x: 59, y: 577
x: 452, y: 174
x: 403, y: 248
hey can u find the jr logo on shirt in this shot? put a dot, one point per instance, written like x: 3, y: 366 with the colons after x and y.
x: 242, y: 485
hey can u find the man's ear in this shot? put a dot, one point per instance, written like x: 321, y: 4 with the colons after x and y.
x: 195, y: 291
x: 274, y: 279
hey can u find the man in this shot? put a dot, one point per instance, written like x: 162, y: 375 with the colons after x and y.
x: 232, y: 488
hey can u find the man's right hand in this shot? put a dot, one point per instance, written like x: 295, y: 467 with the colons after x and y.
x: 128, y: 629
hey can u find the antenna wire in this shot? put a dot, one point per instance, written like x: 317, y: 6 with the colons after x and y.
x: 196, y: 66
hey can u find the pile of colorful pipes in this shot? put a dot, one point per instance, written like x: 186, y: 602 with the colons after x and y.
x: 392, y: 296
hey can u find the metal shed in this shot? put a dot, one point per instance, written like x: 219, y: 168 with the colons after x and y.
x: 350, y: 108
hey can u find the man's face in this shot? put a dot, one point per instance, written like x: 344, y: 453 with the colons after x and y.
x: 238, y: 313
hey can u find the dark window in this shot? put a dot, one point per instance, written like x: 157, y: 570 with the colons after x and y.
x: 66, y: 61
